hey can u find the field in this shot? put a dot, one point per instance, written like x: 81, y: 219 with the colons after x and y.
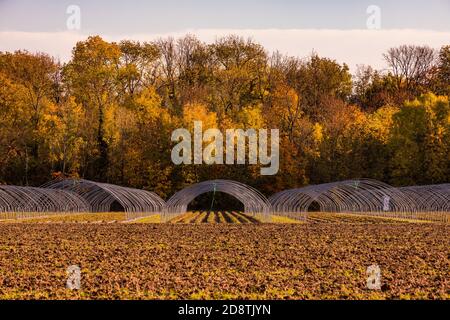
x: 214, y: 217
x: 322, y: 217
x: 211, y: 217
x: 143, y: 260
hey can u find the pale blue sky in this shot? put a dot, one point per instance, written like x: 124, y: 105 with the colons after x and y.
x: 139, y: 16
x: 335, y: 29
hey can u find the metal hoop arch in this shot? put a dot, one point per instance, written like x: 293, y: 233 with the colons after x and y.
x: 255, y: 203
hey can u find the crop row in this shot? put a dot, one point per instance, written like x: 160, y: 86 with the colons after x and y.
x: 214, y: 217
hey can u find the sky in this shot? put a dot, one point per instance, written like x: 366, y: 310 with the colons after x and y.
x: 336, y: 29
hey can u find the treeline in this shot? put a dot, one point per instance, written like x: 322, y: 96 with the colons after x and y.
x: 108, y: 113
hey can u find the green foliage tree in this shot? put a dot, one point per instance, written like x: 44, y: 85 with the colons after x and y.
x: 420, y: 141
x: 92, y: 78
x: 31, y: 83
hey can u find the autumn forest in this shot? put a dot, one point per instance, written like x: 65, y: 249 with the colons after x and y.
x: 108, y: 113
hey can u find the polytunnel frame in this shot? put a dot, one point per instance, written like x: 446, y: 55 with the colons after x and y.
x: 362, y: 196
x: 26, y: 201
x: 136, y: 203
x: 432, y: 201
x: 255, y: 203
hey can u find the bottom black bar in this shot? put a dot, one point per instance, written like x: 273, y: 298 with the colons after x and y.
x: 266, y: 309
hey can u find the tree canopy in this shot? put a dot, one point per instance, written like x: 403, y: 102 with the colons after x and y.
x: 108, y: 113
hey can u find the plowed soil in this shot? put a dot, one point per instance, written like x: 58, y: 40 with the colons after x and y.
x: 224, y: 261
